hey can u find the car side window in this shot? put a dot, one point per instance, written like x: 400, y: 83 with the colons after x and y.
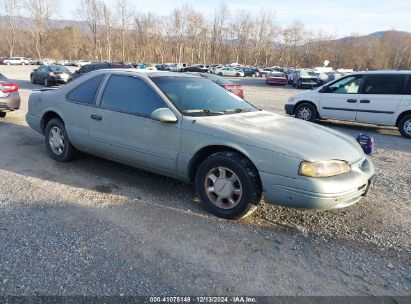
x: 86, y: 91
x: 348, y: 85
x: 408, y: 86
x: 130, y: 95
x: 384, y: 84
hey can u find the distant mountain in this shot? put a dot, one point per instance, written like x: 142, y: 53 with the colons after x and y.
x: 26, y: 23
x: 377, y: 35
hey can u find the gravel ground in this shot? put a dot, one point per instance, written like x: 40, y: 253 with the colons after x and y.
x: 93, y: 227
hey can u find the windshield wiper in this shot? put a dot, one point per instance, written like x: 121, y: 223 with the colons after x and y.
x: 204, y: 111
x: 237, y: 110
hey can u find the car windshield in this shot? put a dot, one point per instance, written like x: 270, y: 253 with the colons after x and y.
x: 196, y: 96
x: 276, y: 74
x: 308, y: 73
x: 57, y: 68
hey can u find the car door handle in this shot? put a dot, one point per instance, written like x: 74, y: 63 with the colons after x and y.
x: 96, y: 117
x: 352, y: 100
x: 364, y: 101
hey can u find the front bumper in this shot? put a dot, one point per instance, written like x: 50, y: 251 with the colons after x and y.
x: 289, y: 109
x: 58, y: 80
x: 320, y: 193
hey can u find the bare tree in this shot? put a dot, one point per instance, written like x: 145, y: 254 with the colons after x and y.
x: 90, y: 11
x: 124, y: 18
x: 11, y: 9
x: 108, y: 25
x: 41, y: 11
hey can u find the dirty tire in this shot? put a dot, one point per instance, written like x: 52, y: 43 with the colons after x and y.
x: 247, y: 175
x: 405, y: 126
x: 69, y: 151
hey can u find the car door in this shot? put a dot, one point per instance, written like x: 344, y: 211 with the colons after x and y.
x: 39, y: 74
x: 380, y: 98
x: 78, y: 110
x: 339, y: 100
x: 123, y: 129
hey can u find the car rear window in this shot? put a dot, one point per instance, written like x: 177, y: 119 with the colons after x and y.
x: 384, y: 84
x: 85, y: 92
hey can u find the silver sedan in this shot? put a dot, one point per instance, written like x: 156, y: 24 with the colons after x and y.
x: 189, y: 128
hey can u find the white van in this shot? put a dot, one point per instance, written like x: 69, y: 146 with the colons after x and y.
x: 380, y: 97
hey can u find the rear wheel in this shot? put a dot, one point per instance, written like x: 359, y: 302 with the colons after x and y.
x: 3, y: 114
x: 405, y: 126
x: 220, y: 74
x: 228, y: 185
x: 306, y: 111
x: 57, y: 142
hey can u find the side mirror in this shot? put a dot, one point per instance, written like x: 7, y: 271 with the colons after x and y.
x: 325, y: 89
x: 164, y: 115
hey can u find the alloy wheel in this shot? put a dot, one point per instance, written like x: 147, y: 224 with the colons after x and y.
x: 57, y: 141
x: 407, y: 127
x: 305, y: 113
x: 223, y: 188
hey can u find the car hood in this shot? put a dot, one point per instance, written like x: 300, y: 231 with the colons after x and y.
x: 281, y: 134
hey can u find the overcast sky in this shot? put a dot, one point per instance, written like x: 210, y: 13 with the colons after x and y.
x: 337, y: 17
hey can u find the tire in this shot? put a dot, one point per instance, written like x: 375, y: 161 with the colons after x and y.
x: 32, y: 80
x: 46, y: 83
x: 306, y: 111
x: 220, y: 74
x: 8, y: 63
x: 23, y: 63
x: 237, y: 75
x: 3, y: 114
x: 405, y: 126
x: 67, y: 151
x: 245, y: 192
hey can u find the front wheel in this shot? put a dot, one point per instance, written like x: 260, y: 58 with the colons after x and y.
x: 57, y: 142
x: 306, y: 111
x: 228, y: 185
x: 405, y: 126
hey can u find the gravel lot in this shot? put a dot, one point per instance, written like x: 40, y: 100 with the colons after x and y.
x: 93, y: 227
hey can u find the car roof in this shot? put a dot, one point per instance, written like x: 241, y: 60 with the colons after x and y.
x: 148, y: 73
x: 383, y: 72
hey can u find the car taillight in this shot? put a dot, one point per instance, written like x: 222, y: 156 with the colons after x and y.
x: 9, y: 87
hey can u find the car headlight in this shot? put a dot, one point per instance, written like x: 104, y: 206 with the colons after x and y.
x: 324, y: 168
